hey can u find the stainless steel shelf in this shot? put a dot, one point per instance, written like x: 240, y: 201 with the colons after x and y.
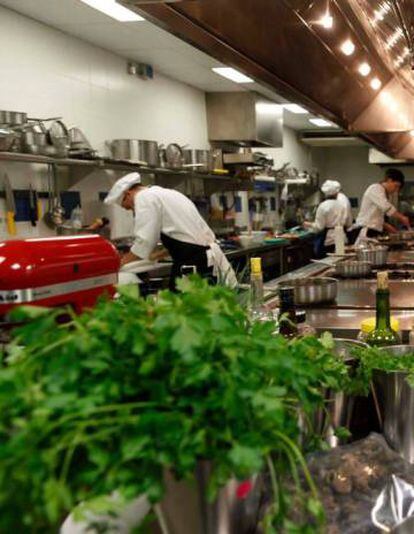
x: 107, y: 164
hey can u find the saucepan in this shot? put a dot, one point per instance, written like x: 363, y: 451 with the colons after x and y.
x: 376, y: 256
x: 312, y: 290
x: 350, y: 268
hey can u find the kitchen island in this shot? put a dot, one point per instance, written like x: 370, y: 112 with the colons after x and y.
x: 356, y: 297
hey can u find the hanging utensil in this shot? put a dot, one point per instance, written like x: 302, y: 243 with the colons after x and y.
x: 55, y: 214
x: 33, y: 208
x: 10, y: 206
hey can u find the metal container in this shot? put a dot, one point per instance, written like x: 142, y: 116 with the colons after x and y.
x: 12, y: 118
x: 338, y: 409
x: 353, y: 269
x: 7, y: 139
x: 376, y: 256
x: 312, y: 290
x: 135, y: 150
x: 396, y: 405
x: 187, y: 511
x: 202, y: 160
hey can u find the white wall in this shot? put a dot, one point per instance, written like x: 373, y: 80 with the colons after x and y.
x: 293, y: 151
x: 48, y: 73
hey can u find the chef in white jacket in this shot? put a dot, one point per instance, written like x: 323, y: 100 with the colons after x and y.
x: 375, y: 206
x: 330, y: 213
x: 169, y: 216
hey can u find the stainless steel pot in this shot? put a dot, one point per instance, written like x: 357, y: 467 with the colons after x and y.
x: 376, y: 256
x: 136, y: 150
x: 203, y: 160
x: 174, y: 156
x: 312, y: 290
x: 396, y: 404
x: 12, y: 118
x: 353, y: 269
x: 8, y: 139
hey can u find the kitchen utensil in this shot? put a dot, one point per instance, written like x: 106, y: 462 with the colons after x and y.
x: 396, y: 404
x: 376, y: 256
x: 78, y: 141
x: 59, y: 137
x: 12, y: 118
x: 33, y: 212
x: 7, y: 139
x: 351, y: 268
x: 312, y: 290
x: 55, y: 214
x: 10, y: 206
x: 174, y: 155
x: 135, y: 150
x: 201, y: 159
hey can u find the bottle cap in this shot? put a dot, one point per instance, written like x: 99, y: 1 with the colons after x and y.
x: 256, y: 265
x: 382, y: 280
x: 368, y: 325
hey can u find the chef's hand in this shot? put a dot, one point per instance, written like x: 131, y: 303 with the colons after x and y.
x: 128, y: 257
x: 405, y: 221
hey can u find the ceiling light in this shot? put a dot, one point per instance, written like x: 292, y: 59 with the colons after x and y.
x: 232, y: 74
x: 295, y: 108
x: 395, y: 37
x: 326, y: 21
x: 364, y: 69
x: 411, y: 132
x: 322, y: 123
x: 375, y: 83
x: 114, y: 10
x: 348, y: 47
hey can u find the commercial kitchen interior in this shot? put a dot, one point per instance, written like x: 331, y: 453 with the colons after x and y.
x: 333, y: 80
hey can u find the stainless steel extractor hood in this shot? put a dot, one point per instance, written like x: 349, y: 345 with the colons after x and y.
x: 244, y: 119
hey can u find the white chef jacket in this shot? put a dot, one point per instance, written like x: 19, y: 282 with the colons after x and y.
x: 345, y: 203
x: 165, y: 211
x: 374, y: 206
x: 330, y: 213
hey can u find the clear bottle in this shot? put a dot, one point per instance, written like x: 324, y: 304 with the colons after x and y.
x: 287, y: 313
x: 258, y: 310
x: 76, y: 217
x: 383, y: 335
x: 339, y: 240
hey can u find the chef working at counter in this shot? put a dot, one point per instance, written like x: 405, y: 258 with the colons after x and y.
x: 169, y: 215
x: 375, y: 206
x: 330, y: 213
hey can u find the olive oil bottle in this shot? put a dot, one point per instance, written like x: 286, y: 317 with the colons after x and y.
x: 383, y: 334
x: 287, y: 313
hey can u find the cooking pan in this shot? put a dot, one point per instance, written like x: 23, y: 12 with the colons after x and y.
x: 349, y: 268
x: 312, y: 290
x: 376, y: 256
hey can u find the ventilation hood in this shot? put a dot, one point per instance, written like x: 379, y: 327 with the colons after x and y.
x: 244, y: 119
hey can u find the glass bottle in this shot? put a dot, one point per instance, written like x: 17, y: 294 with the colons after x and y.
x: 257, y: 308
x: 383, y: 334
x: 287, y: 313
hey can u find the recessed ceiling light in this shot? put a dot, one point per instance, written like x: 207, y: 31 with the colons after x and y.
x: 326, y: 21
x: 348, y: 47
x: 114, y: 10
x: 375, y: 83
x: 295, y: 108
x: 322, y: 123
x: 364, y: 69
x: 232, y: 74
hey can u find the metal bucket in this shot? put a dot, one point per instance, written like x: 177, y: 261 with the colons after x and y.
x: 396, y: 405
x: 339, y: 406
x: 186, y: 510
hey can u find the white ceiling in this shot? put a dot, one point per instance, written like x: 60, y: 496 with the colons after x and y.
x: 144, y: 42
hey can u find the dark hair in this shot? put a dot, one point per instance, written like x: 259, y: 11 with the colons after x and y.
x: 395, y: 175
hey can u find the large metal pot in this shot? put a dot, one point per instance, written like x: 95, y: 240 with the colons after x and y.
x: 8, y: 139
x: 12, y: 118
x: 353, y: 269
x: 338, y: 409
x: 136, y: 150
x: 312, y: 290
x: 396, y: 405
x: 202, y: 160
x: 376, y: 256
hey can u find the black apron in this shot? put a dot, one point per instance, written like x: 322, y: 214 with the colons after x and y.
x: 186, y: 254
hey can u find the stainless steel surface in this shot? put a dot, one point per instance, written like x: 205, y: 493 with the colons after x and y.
x: 12, y: 118
x: 174, y: 156
x: 376, y: 256
x: 135, y: 150
x: 313, y: 290
x: 203, y: 160
x: 407, y: 527
x: 7, y: 139
x: 353, y: 269
x: 396, y: 402
x: 187, y: 510
x: 244, y: 118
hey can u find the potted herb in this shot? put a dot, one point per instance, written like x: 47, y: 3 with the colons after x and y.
x: 110, y: 400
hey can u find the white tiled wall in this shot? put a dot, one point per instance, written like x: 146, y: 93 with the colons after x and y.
x: 49, y: 73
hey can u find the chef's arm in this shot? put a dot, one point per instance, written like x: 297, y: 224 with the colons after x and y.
x: 128, y: 257
x: 405, y: 221
x: 154, y: 256
x: 389, y: 228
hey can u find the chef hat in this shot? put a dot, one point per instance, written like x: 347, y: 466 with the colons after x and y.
x: 330, y: 188
x: 121, y: 186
